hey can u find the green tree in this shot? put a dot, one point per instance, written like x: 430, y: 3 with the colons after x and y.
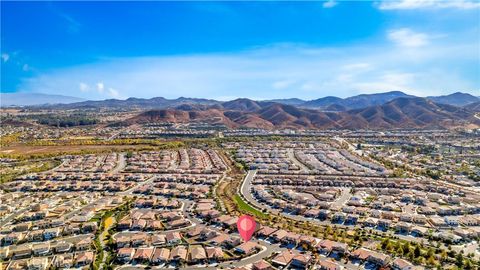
x: 384, y: 243
x: 431, y: 261
x: 443, y: 255
x: 400, y: 251
x: 417, y: 252
x: 459, y: 260
x: 406, y: 248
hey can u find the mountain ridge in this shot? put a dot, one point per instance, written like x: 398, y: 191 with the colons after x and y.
x: 31, y: 99
x: 404, y: 112
x: 328, y: 103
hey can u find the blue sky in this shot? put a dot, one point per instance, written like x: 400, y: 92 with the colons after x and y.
x: 225, y: 50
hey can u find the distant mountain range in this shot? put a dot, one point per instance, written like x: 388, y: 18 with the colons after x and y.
x: 355, y: 102
x: 383, y: 110
x: 456, y: 99
x: 403, y: 112
x: 31, y: 99
x: 329, y: 103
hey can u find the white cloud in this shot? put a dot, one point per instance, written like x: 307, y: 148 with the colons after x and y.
x: 114, y: 93
x: 427, y: 4
x: 398, y: 78
x: 407, y: 38
x: 299, y: 71
x: 282, y: 84
x: 100, y: 87
x: 25, y: 67
x: 5, y: 57
x: 329, y: 4
x: 84, y: 87
x: 357, y: 66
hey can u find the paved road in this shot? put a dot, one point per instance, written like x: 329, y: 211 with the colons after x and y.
x: 344, y: 197
x: 246, y: 187
x: 342, y: 140
x: 291, y: 156
x: 121, y: 163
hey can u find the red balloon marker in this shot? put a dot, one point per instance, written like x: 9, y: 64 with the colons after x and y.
x: 246, y: 227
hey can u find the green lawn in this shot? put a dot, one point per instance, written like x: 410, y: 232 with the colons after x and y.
x: 243, y: 206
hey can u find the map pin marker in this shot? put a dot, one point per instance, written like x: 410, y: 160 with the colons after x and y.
x: 246, y: 227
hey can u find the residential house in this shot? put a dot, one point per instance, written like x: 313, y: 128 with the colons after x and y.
x: 246, y: 248
x: 37, y: 263
x: 63, y: 261
x: 364, y: 254
x: 328, y: 264
x: 301, y: 261
x: 84, y: 258
x: 62, y: 247
x: 84, y: 243
x: 278, y: 235
x: 51, y: 233
x: 173, y: 238
x: 401, y: 264
x: 261, y: 265
x: 283, y: 258
x: 419, y: 231
x: 161, y: 255
x: 265, y: 231
x: 214, y: 253
x: 329, y: 246
x: 158, y: 239
x: 178, y: 253
x: 138, y: 239
x: 143, y: 254
x: 125, y: 254
x: 41, y: 249
x: 197, y: 254
x: 19, y: 252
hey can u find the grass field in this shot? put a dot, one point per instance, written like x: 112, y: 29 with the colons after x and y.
x: 8, y: 173
x: 27, y: 150
x: 243, y: 206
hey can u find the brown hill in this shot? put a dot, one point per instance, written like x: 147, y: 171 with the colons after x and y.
x: 213, y: 116
x: 414, y: 112
x: 242, y: 104
x: 398, y: 113
x: 475, y: 107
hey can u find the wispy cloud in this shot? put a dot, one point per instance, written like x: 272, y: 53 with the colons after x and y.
x: 72, y: 25
x: 5, y: 57
x: 100, y: 87
x: 412, y: 63
x: 427, y: 4
x: 408, y: 38
x: 329, y: 4
x: 114, y: 93
x: 83, y: 87
x: 283, y: 84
